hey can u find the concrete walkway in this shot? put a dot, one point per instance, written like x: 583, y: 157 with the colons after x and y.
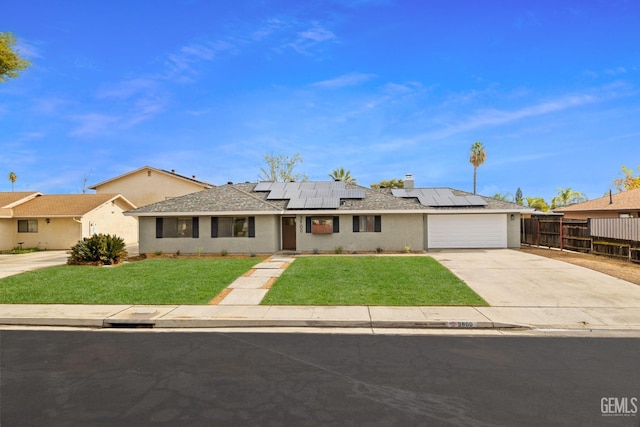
x: 525, y: 291
x: 251, y: 288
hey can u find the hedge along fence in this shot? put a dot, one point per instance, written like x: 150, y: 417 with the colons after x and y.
x: 615, y: 237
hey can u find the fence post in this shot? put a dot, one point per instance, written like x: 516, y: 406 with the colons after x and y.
x: 538, y: 232
x: 561, y: 239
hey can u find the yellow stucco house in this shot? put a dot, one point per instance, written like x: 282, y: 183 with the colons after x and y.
x: 32, y: 219
x: 150, y: 185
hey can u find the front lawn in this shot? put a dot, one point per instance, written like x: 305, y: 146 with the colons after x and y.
x: 370, y: 280
x: 153, y: 281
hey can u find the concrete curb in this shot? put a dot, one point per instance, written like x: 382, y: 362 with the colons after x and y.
x: 177, y: 317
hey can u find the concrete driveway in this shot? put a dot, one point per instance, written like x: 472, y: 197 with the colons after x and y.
x: 510, y: 278
x: 15, y: 264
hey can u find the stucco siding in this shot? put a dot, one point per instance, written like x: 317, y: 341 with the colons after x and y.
x: 397, y: 231
x: 600, y: 214
x: 59, y: 233
x: 7, y: 234
x: 513, y: 230
x: 149, y: 186
x: 266, y: 240
x: 109, y: 219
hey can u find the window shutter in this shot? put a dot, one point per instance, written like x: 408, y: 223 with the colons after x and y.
x: 377, y: 226
x: 252, y: 226
x: 336, y: 224
x: 195, y: 225
x: 308, y: 223
x: 214, y: 226
x: 356, y: 223
x: 158, y: 228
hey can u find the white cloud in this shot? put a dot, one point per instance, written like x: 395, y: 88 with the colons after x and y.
x: 616, y: 71
x: 127, y: 88
x: 309, y: 39
x: 27, y: 50
x: 351, y: 79
x: 93, y: 124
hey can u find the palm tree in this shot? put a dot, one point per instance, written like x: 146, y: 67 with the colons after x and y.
x: 341, y: 174
x: 13, y: 178
x: 538, y: 203
x: 478, y: 156
x: 567, y: 197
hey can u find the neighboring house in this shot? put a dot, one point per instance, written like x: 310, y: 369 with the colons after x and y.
x: 59, y: 221
x: 7, y: 225
x: 619, y: 205
x: 321, y: 216
x: 149, y: 185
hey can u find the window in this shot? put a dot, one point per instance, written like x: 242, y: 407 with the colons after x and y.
x: 27, y: 226
x: 228, y: 226
x: 367, y: 223
x: 323, y: 224
x: 177, y: 227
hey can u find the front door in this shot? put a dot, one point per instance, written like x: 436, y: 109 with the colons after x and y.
x: 289, y: 233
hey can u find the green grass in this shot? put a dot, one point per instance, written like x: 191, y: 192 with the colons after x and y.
x: 368, y: 280
x: 153, y: 281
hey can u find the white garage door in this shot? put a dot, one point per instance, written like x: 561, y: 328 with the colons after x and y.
x: 467, y: 231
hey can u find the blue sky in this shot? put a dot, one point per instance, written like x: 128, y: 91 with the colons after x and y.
x: 381, y: 88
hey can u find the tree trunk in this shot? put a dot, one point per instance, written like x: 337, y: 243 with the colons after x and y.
x: 475, y: 170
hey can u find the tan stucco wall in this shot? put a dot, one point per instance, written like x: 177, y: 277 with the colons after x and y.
x: 109, y: 219
x: 59, y: 233
x: 7, y: 241
x: 267, y: 239
x: 601, y: 214
x: 149, y: 186
x: 63, y: 233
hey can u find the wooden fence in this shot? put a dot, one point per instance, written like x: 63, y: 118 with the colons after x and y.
x: 614, y: 237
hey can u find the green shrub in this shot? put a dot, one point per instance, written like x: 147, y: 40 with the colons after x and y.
x: 101, y: 249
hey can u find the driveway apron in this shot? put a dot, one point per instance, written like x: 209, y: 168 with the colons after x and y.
x: 16, y: 264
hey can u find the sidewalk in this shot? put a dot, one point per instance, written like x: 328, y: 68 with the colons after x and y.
x: 238, y: 306
x: 228, y: 316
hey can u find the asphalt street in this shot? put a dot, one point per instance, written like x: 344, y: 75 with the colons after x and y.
x: 139, y: 378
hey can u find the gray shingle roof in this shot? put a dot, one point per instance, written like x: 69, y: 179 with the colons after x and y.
x: 243, y: 198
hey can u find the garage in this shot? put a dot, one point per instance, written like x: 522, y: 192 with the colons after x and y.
x: 467, y: 231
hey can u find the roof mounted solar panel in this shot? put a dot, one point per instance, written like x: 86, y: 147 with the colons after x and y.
x: 313, y: 203
x: 276, y: 195
x: 296, y: 203
x: 476, y: 201
x: 331, y: 203
x: 443, y: 192
x: 263, y: 186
